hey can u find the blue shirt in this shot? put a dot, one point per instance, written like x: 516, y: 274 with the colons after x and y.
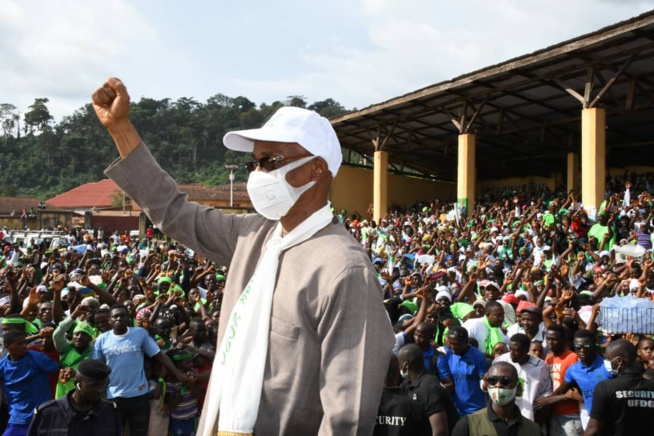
x: 587, y: 377
x: 26, y: 384
x: 465, y: 371
x: 427, y: 356
x: 124, y: 354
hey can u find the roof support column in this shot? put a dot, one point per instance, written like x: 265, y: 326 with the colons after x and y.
x: 380, y: 191
x: 142, y: 224
x: 574, y: 173
x: 593, y: 158
x: 466, y: 177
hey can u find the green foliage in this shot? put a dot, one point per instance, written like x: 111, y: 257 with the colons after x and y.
x: 38, y: 118
x: 184, y: 135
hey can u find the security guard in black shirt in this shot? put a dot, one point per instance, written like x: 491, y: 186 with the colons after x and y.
x: 426, y: 390
x: 623, y: 405
x: 399, y: 415
x: 82, y: 412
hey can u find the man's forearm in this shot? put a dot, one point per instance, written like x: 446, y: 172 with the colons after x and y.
x: 125, y: 136
x: 165, y: 361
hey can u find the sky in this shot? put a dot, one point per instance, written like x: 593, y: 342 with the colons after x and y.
x: 358, y: 52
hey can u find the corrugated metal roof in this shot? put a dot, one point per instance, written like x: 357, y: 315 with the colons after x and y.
x: 524, y: 118
x: 7, y: 204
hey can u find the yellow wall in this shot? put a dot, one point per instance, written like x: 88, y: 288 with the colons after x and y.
x: 556, y: 178
x: 353, y: 187
x: 353, y: 190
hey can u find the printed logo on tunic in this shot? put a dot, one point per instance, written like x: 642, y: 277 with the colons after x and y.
x: 637, y: 398
x: 121, y: 349
x: 390, y: 420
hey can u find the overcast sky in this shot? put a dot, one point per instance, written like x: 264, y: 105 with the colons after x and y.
x: 359, y: 52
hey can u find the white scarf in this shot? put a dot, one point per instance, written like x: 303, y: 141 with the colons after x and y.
x: 237, y: 381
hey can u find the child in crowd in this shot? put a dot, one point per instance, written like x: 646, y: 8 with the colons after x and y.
x: 499, y: 349
x: 183, y: 396
x: 536, y: 349
x: 646, y: 352
x: 159, y: 410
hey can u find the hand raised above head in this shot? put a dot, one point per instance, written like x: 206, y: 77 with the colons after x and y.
x: 111, y: 102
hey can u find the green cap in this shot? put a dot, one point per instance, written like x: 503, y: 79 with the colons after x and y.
x: 165, y: 279
x: 413, y: 307
x: 84, y: 327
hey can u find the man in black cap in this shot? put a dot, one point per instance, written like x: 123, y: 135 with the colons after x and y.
x: 82, y: 411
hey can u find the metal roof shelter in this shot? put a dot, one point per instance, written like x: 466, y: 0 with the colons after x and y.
x: 525, y: 112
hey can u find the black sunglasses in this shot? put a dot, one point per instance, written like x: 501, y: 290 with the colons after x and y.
x: 583, y: 347
x: 267, y: 163
x: 501, y: 380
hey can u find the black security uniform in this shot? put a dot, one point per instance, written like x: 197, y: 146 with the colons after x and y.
x: 398, y: 415
x: 432, y: 396
x: 625, y: 404
x: 59, y: 417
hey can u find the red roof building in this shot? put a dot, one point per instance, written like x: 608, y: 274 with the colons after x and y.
x: 103, y: 194
x: 90, y: 195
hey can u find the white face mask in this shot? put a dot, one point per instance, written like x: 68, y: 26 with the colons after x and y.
x: 609, y: 367
x: 502, y: 396
x: 404, y: 374
x: 270, y: 193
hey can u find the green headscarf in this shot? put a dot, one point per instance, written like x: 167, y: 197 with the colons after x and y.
x: 30, y: 329
x: 461, y: 310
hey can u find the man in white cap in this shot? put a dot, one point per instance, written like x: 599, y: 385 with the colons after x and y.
x: 305, y: 341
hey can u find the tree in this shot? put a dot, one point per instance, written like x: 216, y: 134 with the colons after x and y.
x: 328, y: 108
x: 118, y: 198
x: 184, y: 135
x: 38, y: 118
x: 296, y: 101
x: 242, y: 104
x: 8, y: 119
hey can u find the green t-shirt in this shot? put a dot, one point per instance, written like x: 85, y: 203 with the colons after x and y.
x: 70, y: 358
x: 598, y: 231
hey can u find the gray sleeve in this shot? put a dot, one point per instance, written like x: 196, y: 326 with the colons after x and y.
x: 545, y: 382
x: 204, y: 229
x: 59, y: 334
x: 357, y: 340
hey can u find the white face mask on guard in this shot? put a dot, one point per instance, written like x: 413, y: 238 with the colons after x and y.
x: 271, y: 194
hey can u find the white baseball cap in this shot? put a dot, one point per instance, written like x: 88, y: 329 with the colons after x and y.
x: 293, y: 124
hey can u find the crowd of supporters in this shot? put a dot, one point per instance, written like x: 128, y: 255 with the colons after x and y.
x: 518, y: 278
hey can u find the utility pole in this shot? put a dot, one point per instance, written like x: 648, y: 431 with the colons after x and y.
x: 231, y: 169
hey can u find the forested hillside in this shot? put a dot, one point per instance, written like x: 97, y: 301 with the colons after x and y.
x: 42, y: 158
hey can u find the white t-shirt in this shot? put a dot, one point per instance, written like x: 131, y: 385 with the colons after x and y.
x: 535, y: 379
x: 477, y: 329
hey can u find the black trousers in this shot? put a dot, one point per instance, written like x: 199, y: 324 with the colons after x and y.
x: 135, y: 412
